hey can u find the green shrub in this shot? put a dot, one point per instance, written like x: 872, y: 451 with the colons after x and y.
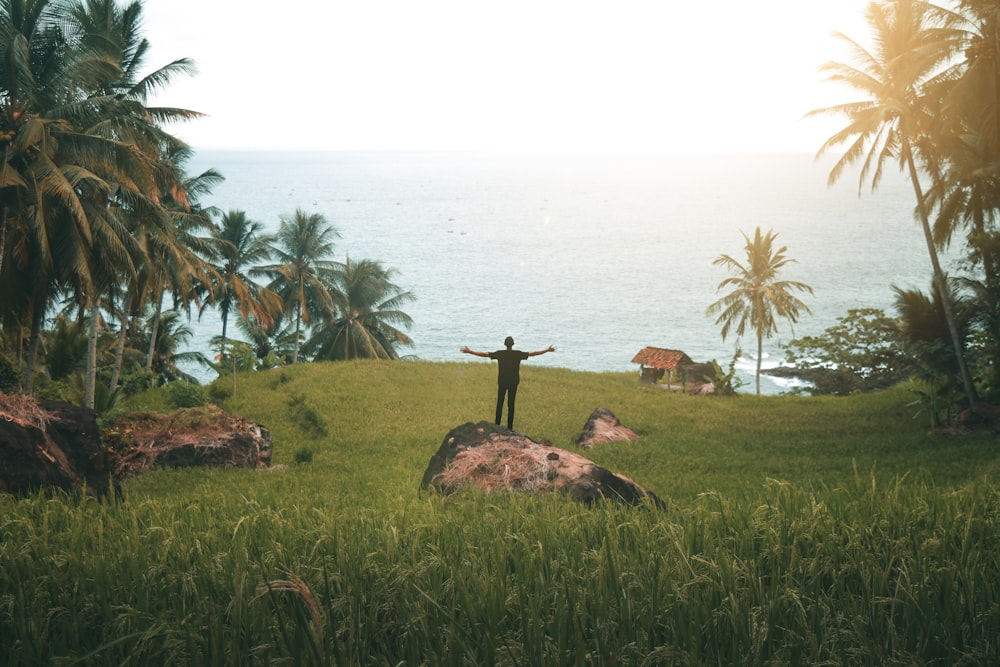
x: 135, y: 379
x: 306, y: 418
x: 219, y: 392
x: 58, y: 390
x: 186, y: 395
x: 303, y: 455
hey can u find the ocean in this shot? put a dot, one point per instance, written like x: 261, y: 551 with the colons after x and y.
x: 599, y: 255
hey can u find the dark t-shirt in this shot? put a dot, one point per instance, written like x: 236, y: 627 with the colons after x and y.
x: 510, y: 366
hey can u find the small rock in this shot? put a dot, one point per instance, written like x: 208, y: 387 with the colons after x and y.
x: 603, y: 426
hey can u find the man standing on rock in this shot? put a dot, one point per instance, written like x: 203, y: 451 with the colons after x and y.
x: 508, y: 374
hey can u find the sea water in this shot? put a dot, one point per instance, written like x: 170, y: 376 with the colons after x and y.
x: 599, y: 255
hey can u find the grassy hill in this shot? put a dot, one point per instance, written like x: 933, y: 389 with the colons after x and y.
x: 799, y: 530
x: 385, y: 420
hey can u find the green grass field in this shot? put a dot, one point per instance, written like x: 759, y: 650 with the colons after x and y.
x: 799, y: 530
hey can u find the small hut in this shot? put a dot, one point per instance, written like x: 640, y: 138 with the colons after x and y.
x: 655, y: 362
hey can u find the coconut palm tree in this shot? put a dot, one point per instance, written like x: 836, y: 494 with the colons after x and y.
x: 174, y: 334
x: 39, y: 73
x: 303, y: 275
x: 965, y: 190
x: 117, y: 110
x: 121, y: 112
x: 900, y: 79
x: 926, y: 338
x: 237, y: 251
x: 757, y: 298
x: 80, y: 149
x: 368, y: 313
x: 272, y: 345
x: 175, y: 248
x: 65, y: 347
x: 49, y: 167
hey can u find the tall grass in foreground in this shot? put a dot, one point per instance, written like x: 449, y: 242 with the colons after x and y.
x: 893, y: 558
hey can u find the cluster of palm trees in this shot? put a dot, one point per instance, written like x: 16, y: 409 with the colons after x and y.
x: 311, y: 305
x: 100, y: 222
x: 930, y: 106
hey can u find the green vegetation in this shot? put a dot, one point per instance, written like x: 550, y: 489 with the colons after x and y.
x: 798, y: 530
x: 927, y: 86
x: 757, y: 298
x: 862, y: 352
x: 99, y: 217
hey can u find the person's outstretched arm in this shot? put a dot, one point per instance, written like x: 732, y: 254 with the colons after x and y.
x: 466, y: 350
x: 550, y: 348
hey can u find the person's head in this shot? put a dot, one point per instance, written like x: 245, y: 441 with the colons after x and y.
x: 509, y: 342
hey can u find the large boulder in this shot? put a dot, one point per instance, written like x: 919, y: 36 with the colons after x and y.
x: 603, y: 426
x: 50, y: 444
x: 494, y: 458
x: 204, y: 436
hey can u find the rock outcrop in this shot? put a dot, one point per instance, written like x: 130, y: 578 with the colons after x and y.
x: 51, y: 444
x: 205, y: 436
x: 494, y: 458
x: 603, y: 426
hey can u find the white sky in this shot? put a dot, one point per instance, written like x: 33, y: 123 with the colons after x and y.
x: 577, y: 75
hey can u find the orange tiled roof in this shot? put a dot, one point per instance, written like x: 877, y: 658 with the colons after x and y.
x: 658, y: 357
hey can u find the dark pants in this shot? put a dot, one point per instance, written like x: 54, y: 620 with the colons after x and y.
x: 511, y: 392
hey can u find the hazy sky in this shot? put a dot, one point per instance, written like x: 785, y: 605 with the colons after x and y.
x: 661, y: 75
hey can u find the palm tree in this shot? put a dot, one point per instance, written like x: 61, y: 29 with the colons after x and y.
x: 173, y: 247
x: 50, y: 168
x: 37, y: 77
x: 174, y: 334
x: 65, y: 347
x: 965, y: 186
x: 303, y: 275
x: 44, y: 189
x: 368, y: 308
x: 914, y: 42
x: 925, y: 333
x: 271, y: 345
x: 116, y: 110
x: 237, y: 250
x: 80, y: 150
x: 758, y: 298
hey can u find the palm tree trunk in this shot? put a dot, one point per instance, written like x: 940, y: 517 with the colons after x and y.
x: 120, y: 346
x: 225, y: 325
x: 154, y: 331
x: 298, y: 326
x: 3, y: 234
x: 95, y: 328
x: 20, y: 354
x: 37, y: 317
x: 940, y: 282
x: 760, y: 353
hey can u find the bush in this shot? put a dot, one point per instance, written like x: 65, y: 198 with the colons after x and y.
x: 9, y: 382
x: 185, y: 395
x: 861, y: 353
x: 304, y: 455
x: 219, y: 392
x: 306, y: 418
x: 58, y: 390
x: 135, y: 379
